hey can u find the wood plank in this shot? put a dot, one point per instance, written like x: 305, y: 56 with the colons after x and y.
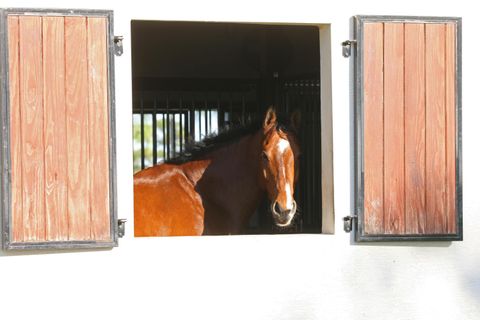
x: 76, y: 88
x: 450, y: 108
x: 31, y: 98
x: 55, y: 129
x: 394, y: 186
x: 373, y: 128
x: 435, y: 128
x: 415, y: 215
x: 15, y: 130
x: 98, y: 127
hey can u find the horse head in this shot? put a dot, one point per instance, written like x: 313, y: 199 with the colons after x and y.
x: 279, y: 164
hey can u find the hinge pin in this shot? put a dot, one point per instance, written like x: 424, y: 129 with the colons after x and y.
x: 121, y: 227
x: 347, y: 47
x: 118, y: 44
x: 348, y: 223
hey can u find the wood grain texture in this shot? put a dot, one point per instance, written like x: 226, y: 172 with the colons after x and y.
x: 98, y: 127
x: 77, y: 128
x: 435, y: 128
x: 415, y: 132
x: 415, y: 215
x: 373, y: 128
x: 394, y: 192
x: 450, y: 108
x: 59, y: 128
x: 31, y: 103
x: 55, y: 129
x: 15, y: 131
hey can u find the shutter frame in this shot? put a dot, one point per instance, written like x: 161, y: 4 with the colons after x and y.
x: 5, y: 171
x: 357, y: 68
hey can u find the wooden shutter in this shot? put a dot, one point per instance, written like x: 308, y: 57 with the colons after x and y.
x: 57, y: 114
x: 407, y: 100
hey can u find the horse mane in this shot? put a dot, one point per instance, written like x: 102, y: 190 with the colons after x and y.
x: 225, y: 136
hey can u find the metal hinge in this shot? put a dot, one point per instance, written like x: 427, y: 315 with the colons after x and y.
x: 347, y: 47
x: 118, y: 45
x: 348, y: 223
x: 121, y: 227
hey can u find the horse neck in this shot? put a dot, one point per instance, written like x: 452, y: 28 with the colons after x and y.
x: 230, y: 176
x: 238, y: 162
x: 241, y: 155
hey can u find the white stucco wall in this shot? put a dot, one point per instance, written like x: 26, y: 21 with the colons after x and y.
x: 262, y: 277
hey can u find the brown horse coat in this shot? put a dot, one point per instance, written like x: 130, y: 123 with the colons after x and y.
x: 217, y: 193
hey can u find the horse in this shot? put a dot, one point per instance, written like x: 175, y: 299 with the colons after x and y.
x: 216, y: 189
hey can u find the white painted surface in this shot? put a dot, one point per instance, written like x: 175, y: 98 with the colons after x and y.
x: 263, y: 277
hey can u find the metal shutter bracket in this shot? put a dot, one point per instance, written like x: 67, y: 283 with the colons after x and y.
x: 347, y: 47
x: 118, y: 45
x: 121, y: 227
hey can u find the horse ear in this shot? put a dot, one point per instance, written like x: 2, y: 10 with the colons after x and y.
x: 270, y: 118
x: 295, y: 120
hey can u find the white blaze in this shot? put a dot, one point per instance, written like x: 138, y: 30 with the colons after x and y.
x: 289, y: 196
x: 282, y: 145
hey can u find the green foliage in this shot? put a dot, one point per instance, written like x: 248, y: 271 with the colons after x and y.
x: 148, y: 140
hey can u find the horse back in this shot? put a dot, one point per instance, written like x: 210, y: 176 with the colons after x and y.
x: 166, y: 203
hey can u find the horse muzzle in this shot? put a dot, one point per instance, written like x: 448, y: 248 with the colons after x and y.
x: 283, y: 218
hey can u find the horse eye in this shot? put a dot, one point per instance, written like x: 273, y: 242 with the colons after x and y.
x: 264, y: 156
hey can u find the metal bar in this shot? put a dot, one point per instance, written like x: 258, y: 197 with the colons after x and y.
x: 459, y: 140
x: 192, y: 120
x: 206, y: 117
x: 309, y: 158
x: 181, y: 134
x: 403, y: 19
x: 305, y: 190
x: 142, y: 133
x: 112, y: 131
x: 287, y: 105
x: 230, y: 115
x: 313, y: 142
x: 44, y: 245
x: 320, y: 146
x: 199, y: 112
x: 220, y: 113
x: 317, y: 212
x: 5, y: 190
x: 186, y: 126
x: 167, y: 156
x: 243, y: 107
x: 174, y: 134
x: 60, y: 12
x: 210, y: 119
x: 311, y: 112
x: 164, y: 140
x: 154, y: 130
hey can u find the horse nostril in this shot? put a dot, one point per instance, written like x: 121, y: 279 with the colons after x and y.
x: 278, y: 208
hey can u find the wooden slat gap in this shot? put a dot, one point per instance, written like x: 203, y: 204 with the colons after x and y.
x: 425, y: 110
x: 383, y: 124
x: 89, y: 156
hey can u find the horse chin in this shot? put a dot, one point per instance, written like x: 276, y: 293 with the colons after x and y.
x: 284, y: 225
x: 283, y: 220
